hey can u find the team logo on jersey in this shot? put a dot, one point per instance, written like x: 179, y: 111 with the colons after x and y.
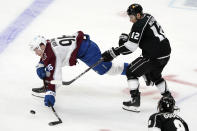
x: 49, y: 67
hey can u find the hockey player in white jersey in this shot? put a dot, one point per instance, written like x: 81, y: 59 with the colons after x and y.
x: 65, y: 50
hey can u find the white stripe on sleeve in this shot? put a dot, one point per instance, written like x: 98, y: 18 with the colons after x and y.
x: 131, y: 46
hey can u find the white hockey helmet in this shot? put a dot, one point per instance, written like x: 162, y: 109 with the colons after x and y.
x: 36, y: 42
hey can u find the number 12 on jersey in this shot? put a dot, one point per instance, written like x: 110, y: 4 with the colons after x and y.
x: 135, y: 35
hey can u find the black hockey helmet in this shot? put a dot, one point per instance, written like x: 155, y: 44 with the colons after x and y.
x: 134, y: 9
x: 166, y: 104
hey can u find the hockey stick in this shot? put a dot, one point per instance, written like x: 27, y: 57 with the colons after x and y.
x: 56, y: 82
x: 54, y: 112
x: 55, y: 122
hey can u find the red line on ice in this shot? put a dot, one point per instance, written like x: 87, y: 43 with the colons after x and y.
x: 171, y: 78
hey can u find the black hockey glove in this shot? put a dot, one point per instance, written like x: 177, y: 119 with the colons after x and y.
x: 123, y: 38
x: 109, y: 55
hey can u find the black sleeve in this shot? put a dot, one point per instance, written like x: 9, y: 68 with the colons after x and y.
x: 123, y: 50
x: 138, y: 29
x: 154, y: 121
x: 135, y: 34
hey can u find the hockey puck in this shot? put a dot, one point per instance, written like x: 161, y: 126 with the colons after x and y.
x: 32, y: 112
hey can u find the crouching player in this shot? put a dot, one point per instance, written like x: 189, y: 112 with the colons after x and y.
x: 58, y: 52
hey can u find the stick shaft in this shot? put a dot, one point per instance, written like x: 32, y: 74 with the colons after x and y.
x: 56, y: 113
x: 71, y: 81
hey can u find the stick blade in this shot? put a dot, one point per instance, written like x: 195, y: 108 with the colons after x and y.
x: 54, y: 123
x: 66, y: 82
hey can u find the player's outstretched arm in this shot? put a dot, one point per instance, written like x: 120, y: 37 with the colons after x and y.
x: 109, y: 55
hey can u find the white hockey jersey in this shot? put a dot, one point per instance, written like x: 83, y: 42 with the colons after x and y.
x: 59, y: 52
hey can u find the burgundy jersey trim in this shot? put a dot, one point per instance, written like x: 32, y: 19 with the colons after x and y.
x: 49, y: 59
x: 73, y: 57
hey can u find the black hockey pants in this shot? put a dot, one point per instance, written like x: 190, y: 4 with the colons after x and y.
x: 145, y: 66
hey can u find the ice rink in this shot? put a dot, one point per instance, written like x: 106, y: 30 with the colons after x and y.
x: 93, y: 102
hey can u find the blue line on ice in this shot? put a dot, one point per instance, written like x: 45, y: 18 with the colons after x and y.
x: 172, y: 4
x: 22, y: 22
x: 186, y: 98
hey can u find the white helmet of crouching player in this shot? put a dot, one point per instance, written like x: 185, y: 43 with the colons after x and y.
x: 37, y: 42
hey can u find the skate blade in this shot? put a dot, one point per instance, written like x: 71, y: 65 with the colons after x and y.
x: 132, y: 109
x: 41, y: 95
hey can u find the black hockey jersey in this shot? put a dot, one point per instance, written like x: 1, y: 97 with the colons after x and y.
x: 167, y: 122
x: 149, y: 36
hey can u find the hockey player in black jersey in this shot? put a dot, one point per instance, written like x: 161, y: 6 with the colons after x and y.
x: 166, y: 119
x: 147, y: 34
